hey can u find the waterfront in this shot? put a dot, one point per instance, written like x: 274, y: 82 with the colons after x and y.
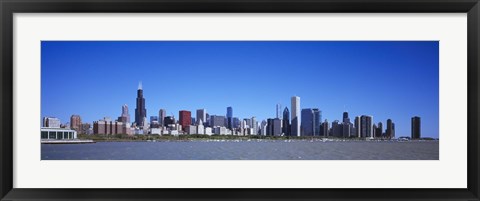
x: 244, y: 150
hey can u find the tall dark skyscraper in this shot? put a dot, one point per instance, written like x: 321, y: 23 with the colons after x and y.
x: 307, y: 127
x: 274, y: 127
x: 416, y: 132
x: 337, y: 129
x: 347, y: 126
x: 168, y: 120
x: 317, y: 118
x: 390, y: 131
x: 286, y: 122
x: 162, y: 113
x: 357, y: 126
x: 379, y: 132
x: 325, y: 128
x: 140, y: 111
x: 229, y: 117
x: 365, y: 126
x: 345, y: 117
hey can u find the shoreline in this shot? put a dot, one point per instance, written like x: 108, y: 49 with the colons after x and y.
x: 244, y: 139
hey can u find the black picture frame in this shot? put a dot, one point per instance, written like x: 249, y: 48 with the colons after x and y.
x: 9, y: 7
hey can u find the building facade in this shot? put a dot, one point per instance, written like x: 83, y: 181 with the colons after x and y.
x: 51, y: 122
x: 390, y: 131
x: 201, y: 115
x: 307, y: 127
x: 184, y: 119
x: 140, y: 111
x: 295, y: 106
x: 57, y: 134
x: 317, y: 119
x: 229, y: 117
x: 286, y: 122
x: 76, y: 123
x: 365, y: 126
x: 162, y: 113
x: 416, y: 129
x: 216, y: 121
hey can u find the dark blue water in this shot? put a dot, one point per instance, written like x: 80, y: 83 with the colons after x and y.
x: 244, y: 150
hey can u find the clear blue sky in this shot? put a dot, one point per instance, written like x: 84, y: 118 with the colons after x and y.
x: 384, y: 79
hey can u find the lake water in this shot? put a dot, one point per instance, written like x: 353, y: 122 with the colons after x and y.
x: 244, y: 150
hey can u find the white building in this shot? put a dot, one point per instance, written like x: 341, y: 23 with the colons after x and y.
x: 47, y: 133
x: 173, y: 132
x: 200, y: 129
x: 254, y: 126
x: 155, y: 131
x: 208, y: 131
x: 51, y: 122
x: 220, y: 130
x: 295, y: 129
x: 138, y: 132
x: 263, y: 129
x: 191, y: 129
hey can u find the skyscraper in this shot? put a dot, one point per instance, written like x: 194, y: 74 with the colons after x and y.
x: 295, y: 127
x: 277, y: 127
x: 365, y: 126
x: 124, y: 117
x: 274, y: 127
x: 236, y: 122
x: 76, y: 123
x: 390, y: 131
x: 229, y: 117
x: 379, y: 132
x: 325, y: 128
x: 217, y: 121
x: 154, y: 122
x: 185, y: 118
x: 347, y: 126
x: 278, y: 110
x: 140, y: 111
x: 202, y: 115
x: 286, y: 122
x: 416, y: 129
x: 168, y: 120
x: 307, y: 127
x: 345, y: 117
x: 162, y: 113
x: 254, y: 126
x: 357, y: 127
x: 317, y: 118
x: 337, y: 129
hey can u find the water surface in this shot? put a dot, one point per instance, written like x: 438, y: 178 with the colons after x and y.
x: 244, y: 150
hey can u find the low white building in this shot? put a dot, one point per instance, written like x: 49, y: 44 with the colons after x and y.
x: 191, y: 129
x: 208, y: 131
x: 155, y: 131
x: 57, y: 134
x: 220, y: 130
x: 138, y: 131
x: 200, y: 129
x: 173, y: 132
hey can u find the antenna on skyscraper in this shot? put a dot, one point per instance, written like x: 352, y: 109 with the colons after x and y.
x: 140, y: 85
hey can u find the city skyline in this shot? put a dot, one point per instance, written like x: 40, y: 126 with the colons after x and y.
x: 244, y: 107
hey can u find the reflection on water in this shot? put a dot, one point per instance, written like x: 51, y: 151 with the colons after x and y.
x: 244, y: 150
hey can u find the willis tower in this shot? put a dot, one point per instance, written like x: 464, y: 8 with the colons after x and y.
x: 140, y: 111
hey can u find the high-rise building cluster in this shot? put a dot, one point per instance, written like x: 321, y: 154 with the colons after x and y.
x: 295, y: 121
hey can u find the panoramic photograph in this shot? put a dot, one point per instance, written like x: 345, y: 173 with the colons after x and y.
x: 239, y: 100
